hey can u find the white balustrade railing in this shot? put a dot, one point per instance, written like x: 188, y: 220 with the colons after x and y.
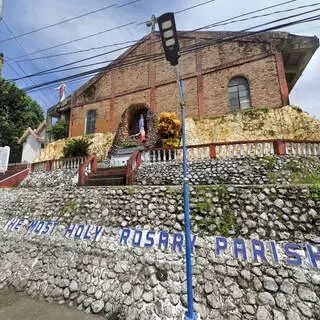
x: 169, y: 155
x: 302, y: 148
x: 64, y: 164
x: 221, y: 151
x: 69, y: 163
x: 39, y: 166
x: 249, y: 149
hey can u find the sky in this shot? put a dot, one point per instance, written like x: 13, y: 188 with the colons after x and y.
x: 127, y: 18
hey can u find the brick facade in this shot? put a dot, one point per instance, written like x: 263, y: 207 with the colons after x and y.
x: 206, y: 73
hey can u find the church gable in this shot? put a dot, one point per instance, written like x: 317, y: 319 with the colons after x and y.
x: 100, y: 86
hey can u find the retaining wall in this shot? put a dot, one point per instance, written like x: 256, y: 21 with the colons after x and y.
x: 240, y: 171
x: 132, y: 282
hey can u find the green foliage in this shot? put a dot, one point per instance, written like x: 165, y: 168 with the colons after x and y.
x: 169, y: 129
x: 223, y: 223
x: 294, y: 166
x: 204, y: 205
x: 59, y: 130
x: 272, y: 176
x: 68, y: 208
x: 77, y: 148
x: 313, y: 179
x: 270, y: 161
x: 254, y: 112
x: 17, y: 113
x: 270, y: 133
x: 315, y: 191
x: 129, y: 144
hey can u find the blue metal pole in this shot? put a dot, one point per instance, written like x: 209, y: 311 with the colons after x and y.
x: 190, y: 315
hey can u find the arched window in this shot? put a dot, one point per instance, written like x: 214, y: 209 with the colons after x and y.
x: 91, y: 121
x: 239, y: 96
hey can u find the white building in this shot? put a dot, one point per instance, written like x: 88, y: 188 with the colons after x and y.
x: 33, y: 142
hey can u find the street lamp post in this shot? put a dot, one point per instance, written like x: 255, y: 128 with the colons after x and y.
x: 170, y: 44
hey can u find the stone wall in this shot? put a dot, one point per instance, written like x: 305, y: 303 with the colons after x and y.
x: 100, y: 144
x: 288, y: 122
x: 55, y: 178
x: 243, y: 171
x: 127, y: 282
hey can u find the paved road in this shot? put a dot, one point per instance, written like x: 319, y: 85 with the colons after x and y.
x: 16, y: 306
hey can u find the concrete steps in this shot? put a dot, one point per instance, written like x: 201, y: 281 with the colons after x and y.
x: 107, y: 177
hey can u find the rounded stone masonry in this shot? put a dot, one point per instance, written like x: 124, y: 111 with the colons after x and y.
x: 234, y: 171
x: 119, y: 281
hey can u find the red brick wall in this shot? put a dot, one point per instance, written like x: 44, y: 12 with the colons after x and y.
x: 14, y: 180
x: 206, y: 73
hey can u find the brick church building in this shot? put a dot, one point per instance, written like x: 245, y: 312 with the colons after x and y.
x: 246, y: 71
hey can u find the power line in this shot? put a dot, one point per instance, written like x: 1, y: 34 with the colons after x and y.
x: 80, y: 39
x: 222, y: 22
x: 183, y: 10
x: 20, y: 67
x: 255, y: 11
x: 102, y: 32
x: 205, y: 27
x: 248, y: 34
x: 186, y: 9
x: 68, y: 20
x: 186, y: 49
x: 78, y: 51
x: 193, y: 7
x: 69, y: 82
x: 263, y: 15
x: 277, y: 20
x: 75, y: 62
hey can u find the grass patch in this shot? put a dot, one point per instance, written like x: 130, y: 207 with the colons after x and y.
x: 269, y: 162
x: 68, y: 208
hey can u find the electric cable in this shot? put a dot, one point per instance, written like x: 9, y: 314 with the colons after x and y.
x: 262, y: 15
x: 78, y: 51
x: 68, y: 20
x: 131, y: 41
x: 196, y: 45
x: 188, y: 48
x: 104, y: 31
x: 20, y: 67
x: 222, y: 22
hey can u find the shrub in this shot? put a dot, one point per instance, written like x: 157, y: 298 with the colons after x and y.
x: 76, y: 148
x: 59, y: 130
x: 169, y: 129
x: 130, y: 144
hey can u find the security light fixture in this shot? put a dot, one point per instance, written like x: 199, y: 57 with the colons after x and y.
x: 168, y: 32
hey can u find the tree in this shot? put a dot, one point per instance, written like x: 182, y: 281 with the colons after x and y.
x: 59, y: 130
x: 17, y: 112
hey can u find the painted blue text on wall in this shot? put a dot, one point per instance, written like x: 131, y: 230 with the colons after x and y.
x: 77, y: 231
x: 251, y: 250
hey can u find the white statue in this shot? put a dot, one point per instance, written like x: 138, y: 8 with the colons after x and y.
x: 62, y: 91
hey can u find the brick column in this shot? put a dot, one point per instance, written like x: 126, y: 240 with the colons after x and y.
x: 199, y: 81
x: 70, y: 123
x: 113, y: 92
x: 152, y: 76
x: 279, y: 147
x: 282, y: 79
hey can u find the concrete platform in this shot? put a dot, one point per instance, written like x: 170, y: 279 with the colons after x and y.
x: 17, y: 306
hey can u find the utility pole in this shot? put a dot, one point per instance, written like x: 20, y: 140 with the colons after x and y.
x: 168, y: 32
x: 1, y: 8
x: 151, y: 23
